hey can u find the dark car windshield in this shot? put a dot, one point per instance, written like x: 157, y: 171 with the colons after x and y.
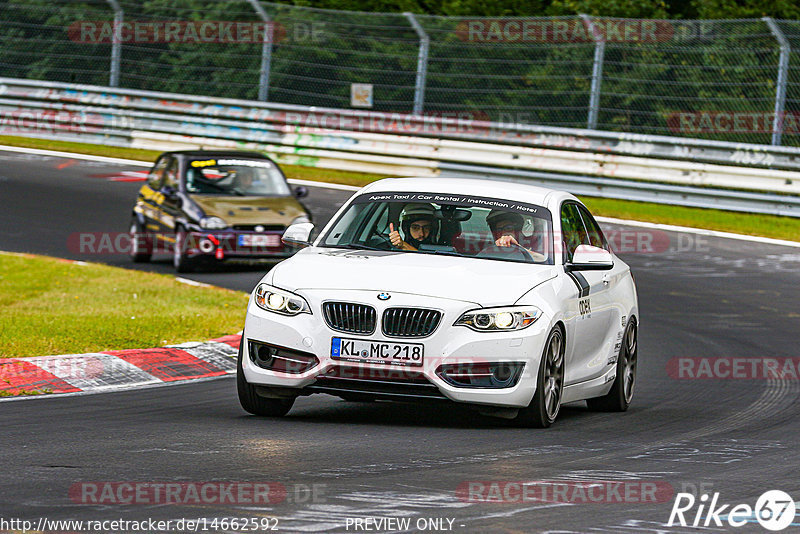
x: 240, y: 177
x: 460, y: 225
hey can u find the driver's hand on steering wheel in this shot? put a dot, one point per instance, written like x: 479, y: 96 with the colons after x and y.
x: 506, y: 241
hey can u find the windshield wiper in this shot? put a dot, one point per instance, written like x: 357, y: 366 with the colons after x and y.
x: 357, y: 246
x: 439, y: 249
x: 442, y: 252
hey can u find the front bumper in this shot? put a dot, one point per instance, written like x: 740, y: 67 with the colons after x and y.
x: 448, y: 344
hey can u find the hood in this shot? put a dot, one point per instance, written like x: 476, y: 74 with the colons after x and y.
x: 481, y: 281
x: 250, y: 210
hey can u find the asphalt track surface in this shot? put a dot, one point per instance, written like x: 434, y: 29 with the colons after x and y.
x: 341, y: 461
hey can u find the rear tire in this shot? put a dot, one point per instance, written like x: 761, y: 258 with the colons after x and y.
x: 546, y: 402
x: 621, y: 394
x: 141, y: 243
x: 251, y: 401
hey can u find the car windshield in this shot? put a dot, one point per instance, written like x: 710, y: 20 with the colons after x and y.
x: 453, y: 225
x: 240, y: 177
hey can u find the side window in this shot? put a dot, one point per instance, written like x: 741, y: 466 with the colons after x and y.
x: 573, y: 229
x: 596, y: 237
x: 171, y: 176
x: 156, y: 177
x: 378, y: 222
x: 345, y: 229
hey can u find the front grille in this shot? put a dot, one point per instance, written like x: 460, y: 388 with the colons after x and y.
x: 410, y: 322
x: 390, y: 383
x: 350, y: 318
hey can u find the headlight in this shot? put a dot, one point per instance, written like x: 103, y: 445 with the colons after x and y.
x: 280, y: 301
x: 500, y: 319
x: 213, y: 223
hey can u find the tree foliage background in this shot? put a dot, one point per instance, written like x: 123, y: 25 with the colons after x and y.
x: 713, y: 66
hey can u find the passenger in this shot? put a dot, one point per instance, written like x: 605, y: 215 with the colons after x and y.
x: 419, y: 224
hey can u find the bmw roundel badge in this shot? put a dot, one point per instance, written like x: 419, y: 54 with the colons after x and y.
x: 384, y: 296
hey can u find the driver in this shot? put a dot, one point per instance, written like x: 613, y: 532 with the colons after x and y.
x: 244, y: 178
x: 505, y: 227
x: 418, y: 222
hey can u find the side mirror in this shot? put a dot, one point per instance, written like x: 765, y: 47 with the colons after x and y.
x: 589, y: 258
x: 300, y: 191
x: 169, y: 191
x: 297, y: 235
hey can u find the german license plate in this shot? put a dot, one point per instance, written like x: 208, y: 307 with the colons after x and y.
x: 361, y: 350
x: 256, y: 240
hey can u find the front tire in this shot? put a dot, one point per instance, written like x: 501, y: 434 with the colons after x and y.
x: 251, y: 401
x: 546, y: 402
x: 141, y: 243
x: 621, y: 394
x: 181, y: 262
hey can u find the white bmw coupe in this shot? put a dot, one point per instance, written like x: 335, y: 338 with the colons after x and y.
x: 500, y: 295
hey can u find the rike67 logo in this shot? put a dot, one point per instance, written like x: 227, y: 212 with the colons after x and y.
x: 774, y: 510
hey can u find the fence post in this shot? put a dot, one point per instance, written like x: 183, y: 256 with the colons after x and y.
x: 266, y: 51
x: 780, y: 90
x: 422, y: 64
x: 116, y: 43
x: 597, y: 70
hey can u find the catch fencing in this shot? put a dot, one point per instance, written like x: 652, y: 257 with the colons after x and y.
x: 736, y: 81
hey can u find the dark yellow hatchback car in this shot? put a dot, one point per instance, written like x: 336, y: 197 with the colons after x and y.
x: 206, y: 206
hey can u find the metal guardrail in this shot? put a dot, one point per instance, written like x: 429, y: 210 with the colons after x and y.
x: 633, y: 166
x: 120, y: 102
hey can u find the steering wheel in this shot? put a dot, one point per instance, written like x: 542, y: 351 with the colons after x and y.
x: 512, y: 252
x: 379, y: 241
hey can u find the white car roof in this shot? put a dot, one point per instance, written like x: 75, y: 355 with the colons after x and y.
x: 530, y: 194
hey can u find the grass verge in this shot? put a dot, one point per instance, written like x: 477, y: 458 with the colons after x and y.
x: 52, y: 306
x: 726, y: 221
x: 23, y: 392
x: 80, y: 148
x: 292, y: 171
x: 787, y: 228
